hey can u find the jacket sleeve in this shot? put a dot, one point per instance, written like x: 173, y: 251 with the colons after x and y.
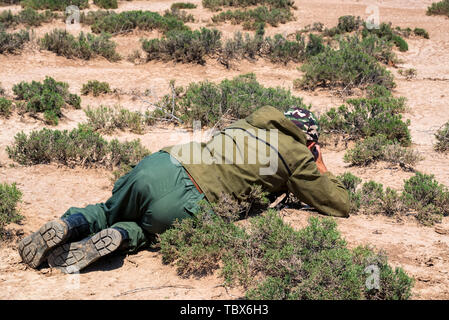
x: 324, y: 192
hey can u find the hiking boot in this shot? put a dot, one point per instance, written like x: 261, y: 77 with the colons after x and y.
x: 72, y: 257
x: 34, y: 248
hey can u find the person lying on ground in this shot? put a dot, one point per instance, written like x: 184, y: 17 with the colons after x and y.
x: 278, y: 151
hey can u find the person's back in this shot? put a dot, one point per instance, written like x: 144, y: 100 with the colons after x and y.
x: 266, y: 149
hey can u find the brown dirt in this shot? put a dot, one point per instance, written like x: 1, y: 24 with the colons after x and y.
x: 49, y: 190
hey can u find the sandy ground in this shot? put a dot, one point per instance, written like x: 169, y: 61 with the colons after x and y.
x: 49, y: 190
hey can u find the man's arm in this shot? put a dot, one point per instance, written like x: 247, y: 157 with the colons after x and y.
x: 314, y: 185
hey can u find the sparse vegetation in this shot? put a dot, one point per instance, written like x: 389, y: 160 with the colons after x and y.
x: 55, y: 5
x: 271, y: 260
x: 85, y: 46
x: 95, y: 88
x: 106, y: 4
x: 183, y: 5
x: 421, y: 33
x: 216, y: 4
x: 13, y: 42
x: 107, y: 119
x: 48, y: 97
x: 10, y: 196
x: 442, y: 136
x: 378, y: 113
x: 408, y: 74
x: 439, y: 8
x: 81, y: 146
x: 5, y: 107
x: 114, y: 23
x: 251, y: 18
x: 231, y: 99
x: 28, y: 17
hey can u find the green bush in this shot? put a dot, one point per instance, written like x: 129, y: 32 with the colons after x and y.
x: 439, y: 8
x: 271, y: 260
x: 442, y: 136
x: 84, y: 46
x: 10, y: 196
x: 380, y: 148
x: 184, y: 16
x: 48, y: 97
x: 9, y: 2
x: 81, y: 146
x: 183, y: 46
x: 95, y: 88
x: 5, y: 107
x: 107, y: 119
x: 126, y: 21
x: 28, y: 17
x: 215, y: 4
x: 13, y: 42
x: 430, y: 198
x: 251, y: 18
x: 59, y: 5
x: 421, y: 33
x: 349, y: 66
x: 378, y: 113
x: 106, y: 4
x: 232, y: 99
x: 183, y: 5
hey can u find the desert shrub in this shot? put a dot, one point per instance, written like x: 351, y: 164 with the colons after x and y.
x: 95, y: 88
x: 271, y: 260
x: 48, y: 97
x: 9, y: 2
x: 408, y: 73
x: 10, y: 196
x: 13, y: 42
x: 80, y: 146
x: 439, y: 8
x: 421, y: 33
x: 5, y: 107
x: 351, y: 183
x: 215, y: 4
x: 84, y: 46
x: 129, y: 20
x: 251, y: 18
x: 380, y: 148
x: 234, y: 99
x: 430, y: 198
x: 183, y: 5
x: 386, y: 32
x: 378, y: 113
x: 347, y: 67
x: 442, y: 136
x: 183, y: 46
x: 28, y: 17
x: 2, y: 90
x: 92, y: 17
x: 349, y: 23
x: 107, y: 119
x: 182, y: 15
x: 106, y: 4
x: 58, y: 5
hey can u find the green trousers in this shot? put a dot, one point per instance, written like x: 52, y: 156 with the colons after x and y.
x: 145, y: 201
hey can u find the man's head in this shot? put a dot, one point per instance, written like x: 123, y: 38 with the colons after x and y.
x: 306, y: 121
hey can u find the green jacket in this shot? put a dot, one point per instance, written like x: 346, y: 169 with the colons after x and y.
x: 265, y: 149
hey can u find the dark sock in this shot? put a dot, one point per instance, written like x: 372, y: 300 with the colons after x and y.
x: 125, y: 238
x: 78, y: 226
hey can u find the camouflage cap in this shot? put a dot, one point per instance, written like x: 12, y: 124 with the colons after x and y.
x: 304, y: 120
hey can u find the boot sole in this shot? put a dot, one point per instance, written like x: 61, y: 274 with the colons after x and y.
x: 34, y: 248
x: 72, y: 257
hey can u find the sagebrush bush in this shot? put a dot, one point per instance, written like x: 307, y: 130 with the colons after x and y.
x: 215, y: 4
x: 81, y: 146
x: 442, y: 136
x: 421, y: 33
x: 384, y: 31
x: 230, y: 99
x: 13, y: 42
x: 183, y: 5
x: 5, y: 107
x: 95, y: 88
x: 182, y: 15
x: 106, y: 4
x: 84, y: 46
x: 251, y: 18
x: 271, y: 260
x: 439, y: 8
x: 183, y: 46
x: 107, y: 119
x: 380, y: 148
x: 28, y: 17
x: 59, y: 5
x: 126, y: 21
x: 349, y: 66
x: 10, y: 196
x: 49, y: 97
x: 378, y: 113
